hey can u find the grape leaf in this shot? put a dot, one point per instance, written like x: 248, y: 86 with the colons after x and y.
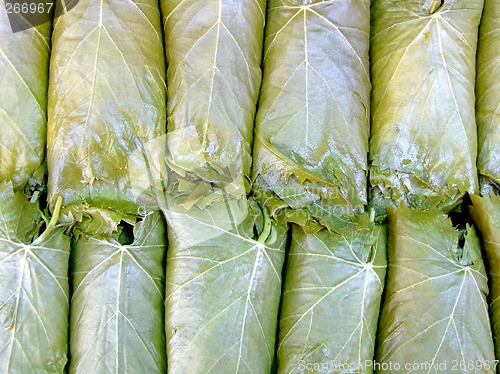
x: 423, y: 142
x: 223, y: 288
x: 24, y: 61
x: 486, y: 214
x: 106, y: 100
x: 117, y: 310
x: 331, y: 299
x: 487, y: 88
x: 214, y: 50
x: 434, y: 310
x: 34, y: 288
x: 312, y: 124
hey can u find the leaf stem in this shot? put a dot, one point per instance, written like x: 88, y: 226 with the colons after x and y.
x: 55, y: 216
x: 267, y: 227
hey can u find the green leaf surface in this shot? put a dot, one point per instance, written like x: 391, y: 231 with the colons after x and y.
x: 214, y: 51
x: 434, y: 310
x: 312, y: 124
x: 423, y: 142
x: 34, y: 289
x: 117, y: 312
x: 488, y: 92
x: 24, y: 64
x: 106, y: 103
x: 331, y: 299
x: 486, y: 215
x: 223, y: 288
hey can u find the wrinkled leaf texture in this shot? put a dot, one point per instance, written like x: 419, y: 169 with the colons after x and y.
x: 117, y: 311
x: 486, y: 214
x: 434, y: 309
x: 423, y: 143
x: 488, y: 92
x: 214, y: 51
x: 24, y: 65
x: 312, y: 124
x: 331, y: 298
x: 34, y: 289
x: 106, y: 102
x: 223, y: 289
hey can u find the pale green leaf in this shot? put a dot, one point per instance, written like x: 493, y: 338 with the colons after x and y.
x: 34, y: 289
x: 487, y: 91
x: 312, y: 124
x: 213, y: 50
x: 223, y: 289
x: 331, y: 299
x: 423, y: 142
x: 486, y: 214
x: 106, y: 103
x: 117, y: 311
x: 434, y: 310
x: 24, y: 61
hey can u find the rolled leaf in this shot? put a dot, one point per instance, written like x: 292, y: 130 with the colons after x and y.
x: 486, y: 215
x: 34, y: 288
x: 423, y: 144
x: 117, y: 312
x: 487, y: 91
x: 24, y: 65
x: 214, y: 51
x: 223, y: 285
x: 312, y: 124
x: 331, y: 299
x: 434, y: 313
x: 223, y: 288
x: 106, y: 104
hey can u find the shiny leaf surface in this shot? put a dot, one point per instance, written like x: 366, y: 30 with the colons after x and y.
x: 434, y: 309
x: 487, y: 91
x: 117, y: 311
x: 486, y: 215
x: 34, y: 289
x: 423, y: 145
x: 312, y: 124
x: 214, y: 51
x: 223, y: 289
x: 106, y: 101
x: 331, y: 299
x: 24, y: 63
